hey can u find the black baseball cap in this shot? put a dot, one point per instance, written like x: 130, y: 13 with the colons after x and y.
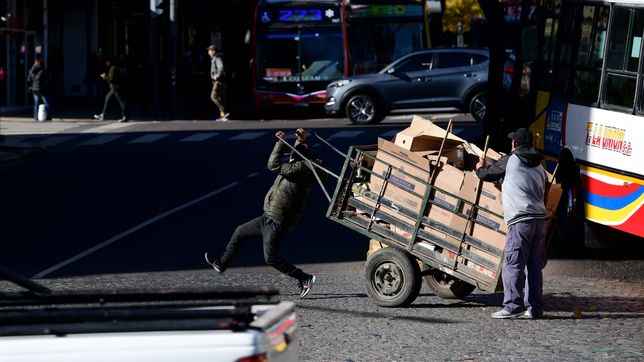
x: 521, y: 137
x: 212, y: 47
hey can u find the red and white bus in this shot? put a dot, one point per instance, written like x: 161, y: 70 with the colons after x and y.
x: 591, y: 107
x: 299, y: 47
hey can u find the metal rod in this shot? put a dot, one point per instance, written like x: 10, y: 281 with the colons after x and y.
x: 304, y: 158
x: 329, y: 144
x: 24, y: 282
x: 440, y: 151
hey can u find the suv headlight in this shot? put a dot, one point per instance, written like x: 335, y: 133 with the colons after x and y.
x: 340, y: 83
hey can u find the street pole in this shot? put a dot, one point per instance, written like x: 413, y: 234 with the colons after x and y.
x: 154, y: 57
x: 173, y: 70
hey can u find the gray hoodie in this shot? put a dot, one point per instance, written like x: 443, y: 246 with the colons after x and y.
x: 524, y: 184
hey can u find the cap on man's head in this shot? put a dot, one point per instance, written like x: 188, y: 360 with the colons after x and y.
x: 521, y: 137
x: 212, y: 47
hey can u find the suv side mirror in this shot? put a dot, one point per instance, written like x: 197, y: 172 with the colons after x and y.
x: 391, y: 70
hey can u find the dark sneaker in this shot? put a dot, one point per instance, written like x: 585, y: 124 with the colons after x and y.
x: 505, y: 314
x: 99, y: 117
x: 216, y: 264
x: 305, y: 285
x: 123, y: 120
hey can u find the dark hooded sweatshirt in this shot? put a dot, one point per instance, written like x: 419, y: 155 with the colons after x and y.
x: 524, y: 183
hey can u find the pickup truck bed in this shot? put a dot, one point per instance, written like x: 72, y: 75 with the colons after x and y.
x: 191, y: 324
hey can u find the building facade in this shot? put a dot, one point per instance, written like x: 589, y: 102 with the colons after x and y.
x: 161, y: 44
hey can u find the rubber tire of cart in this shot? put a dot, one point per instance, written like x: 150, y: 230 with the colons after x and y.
x: 392, y: 278
x: 447, y: 287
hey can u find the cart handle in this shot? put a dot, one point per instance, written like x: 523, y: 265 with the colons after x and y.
x: 328, y: 144
x: 312, y: 165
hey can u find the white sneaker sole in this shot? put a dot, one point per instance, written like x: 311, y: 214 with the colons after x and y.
x: 306, y: 291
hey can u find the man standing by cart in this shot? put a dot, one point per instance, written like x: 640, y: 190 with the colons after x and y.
x: 523, y: 190
x: 283, y: 207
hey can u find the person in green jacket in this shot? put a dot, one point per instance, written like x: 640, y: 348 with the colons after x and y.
x: 283, y: 207
x: 114, y: 78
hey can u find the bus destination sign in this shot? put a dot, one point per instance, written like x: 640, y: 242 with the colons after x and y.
x: 300, y: 15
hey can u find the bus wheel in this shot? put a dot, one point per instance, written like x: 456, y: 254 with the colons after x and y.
x: 478, y: 105
x: 362, y: 109
x: 447, y: 287
x: 392, y: 278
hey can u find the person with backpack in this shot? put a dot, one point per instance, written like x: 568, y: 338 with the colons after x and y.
x: 114, y: 78
x: 39, y: 86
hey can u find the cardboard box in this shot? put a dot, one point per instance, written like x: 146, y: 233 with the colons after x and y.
x: 405, y: 163
x: 423, y: 135
x: 554, y: 196
x: 490, y: 196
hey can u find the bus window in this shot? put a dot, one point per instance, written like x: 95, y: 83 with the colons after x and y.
x: 590, y: 54
x: 548, y: 51
x: 623, y: 57
x: 380, y: 32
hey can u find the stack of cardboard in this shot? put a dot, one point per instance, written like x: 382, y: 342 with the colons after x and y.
x: 412, y: 162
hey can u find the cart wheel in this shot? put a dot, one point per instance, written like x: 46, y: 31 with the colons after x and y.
x: 447, y: 287
x: 392, y: 278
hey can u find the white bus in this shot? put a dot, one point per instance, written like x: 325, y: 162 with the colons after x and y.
x: 590, y: 112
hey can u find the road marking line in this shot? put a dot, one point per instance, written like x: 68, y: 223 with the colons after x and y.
x: 346, y: 134
x: 198, y: 137
x: 149, y: 138
x: 106, y: 128
x: 100, y: 140
x: 132, y: 230
x: 55, y: 140
x: 247, y: 136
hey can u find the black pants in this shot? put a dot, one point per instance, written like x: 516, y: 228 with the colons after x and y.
x: 116, y: 94
x: 271, y: 233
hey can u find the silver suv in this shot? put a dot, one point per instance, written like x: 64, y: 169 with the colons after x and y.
x: 451, y: 78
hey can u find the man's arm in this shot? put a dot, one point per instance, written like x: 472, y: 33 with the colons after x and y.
x: 285, y: 168
x: 493, y: 172
x: 274, y: 163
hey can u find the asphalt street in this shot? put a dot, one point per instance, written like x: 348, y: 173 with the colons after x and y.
x: 106, y: 205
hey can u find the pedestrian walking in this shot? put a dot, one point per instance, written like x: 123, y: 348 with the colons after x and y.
x: 523, y: 193
x: 283, y: 205
x: 114, y: 78
x: 219, y: 82
x: 38, y: 81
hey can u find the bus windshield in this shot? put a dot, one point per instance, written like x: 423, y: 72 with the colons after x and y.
x: 378, y: 34
x: 301, y: 54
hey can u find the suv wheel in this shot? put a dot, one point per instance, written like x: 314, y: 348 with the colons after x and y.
x: 363, y: 109
x: 478, y: 105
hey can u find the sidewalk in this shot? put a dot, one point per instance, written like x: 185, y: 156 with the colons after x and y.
x: 17, y: 126
x: 12, y: 144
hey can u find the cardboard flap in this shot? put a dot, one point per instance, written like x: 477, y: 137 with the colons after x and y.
x: 491, y: 155
x: 423, y: 135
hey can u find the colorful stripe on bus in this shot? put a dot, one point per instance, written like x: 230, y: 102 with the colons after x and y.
x: 614, y: 200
